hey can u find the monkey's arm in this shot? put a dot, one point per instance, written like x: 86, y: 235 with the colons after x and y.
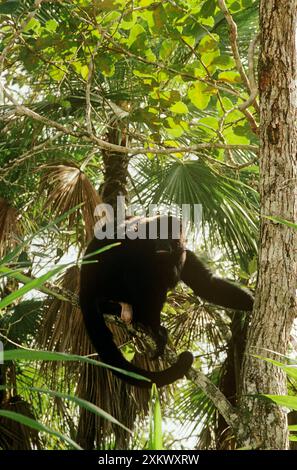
x: 214, y: 289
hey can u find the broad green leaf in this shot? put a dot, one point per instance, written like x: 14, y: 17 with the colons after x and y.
x: 233, y: 138
x: 159, y: 17
x: 210, y: 121
x: 84, y: 71
x: 179, y: 108
x: 56, y: 73
x: 230, y: 77
x: 146, y: 3
x: 149, y: 55
x: 127, y: 25
x: 208, y: 8
x: 235, y: 6
x: 176, y: 131
x: 106, y: 65
x: 209, y: 57
x: 208, y: 43
x: 51, y: 25
x: 190, y: 40
x: 167, y: 48
x: 33, y: 24
x: 199, y: 96
x: 135, y: 31
x: 227, y: 105
x: 224, y: 62
x: 31, y: 423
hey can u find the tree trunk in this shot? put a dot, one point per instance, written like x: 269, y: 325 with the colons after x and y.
x: 263, y: 425
x: 115, y: 169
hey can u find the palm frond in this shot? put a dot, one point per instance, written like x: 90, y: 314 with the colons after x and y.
x: 228, y: 205
x: 66, y: 187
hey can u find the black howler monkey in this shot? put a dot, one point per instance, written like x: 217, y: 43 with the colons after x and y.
x: 139, y: 273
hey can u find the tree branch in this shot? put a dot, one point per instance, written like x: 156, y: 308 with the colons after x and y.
x: 235, y: 51
x: 25, y: 111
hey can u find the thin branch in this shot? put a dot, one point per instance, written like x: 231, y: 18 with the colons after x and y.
x: 233, y: 43
x: 235, y: 51
x: 88, y: 89
x: 251, y: 73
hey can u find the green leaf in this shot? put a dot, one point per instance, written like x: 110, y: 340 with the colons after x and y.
x: 146, y: 3
x: 190, y: 40
x: 19, y: 418
x: 33, y: 284
x: 284, y: 400
x: 159, y: 18
x: 16, y: 274
x: 33, y: 24
x: 167, y: 48
x: 36, y: 355
x: 51, y: 25
x: 156, y: 438
x: 199, y: 96
x: 281, y: 221
x: 106, y: 65
x: 179, y: 108
x: 234, y: 7
x: 230, y: 77
x: 135, y: 31
x: 233, y: 138
x: 210, y: 121
x: 209, y: 43
x: 16, y: 251
x: 82, y: 403
x: 84, y: 71
x: 56, y: 73
x: 208, y: 8
x: 224, y: 62
x: 292, y: 427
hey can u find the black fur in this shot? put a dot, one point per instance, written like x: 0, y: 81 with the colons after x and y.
x: 139, y: 272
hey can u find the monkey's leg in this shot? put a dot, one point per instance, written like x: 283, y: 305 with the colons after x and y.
x: 126, y: 312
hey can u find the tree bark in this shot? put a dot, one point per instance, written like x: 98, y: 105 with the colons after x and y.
x: 264, y: 425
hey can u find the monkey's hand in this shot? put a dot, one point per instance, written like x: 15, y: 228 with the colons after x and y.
x: 126, y: 312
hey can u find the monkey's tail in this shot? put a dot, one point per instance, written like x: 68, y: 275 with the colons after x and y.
x: 102, y: 339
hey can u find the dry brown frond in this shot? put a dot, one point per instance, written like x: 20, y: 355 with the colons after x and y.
x: 10, y: 227
x: 17, y: 436
x: 66, y: 186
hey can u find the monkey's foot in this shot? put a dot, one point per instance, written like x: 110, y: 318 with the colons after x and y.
x: 126, y: 312
x: 161, y: 338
